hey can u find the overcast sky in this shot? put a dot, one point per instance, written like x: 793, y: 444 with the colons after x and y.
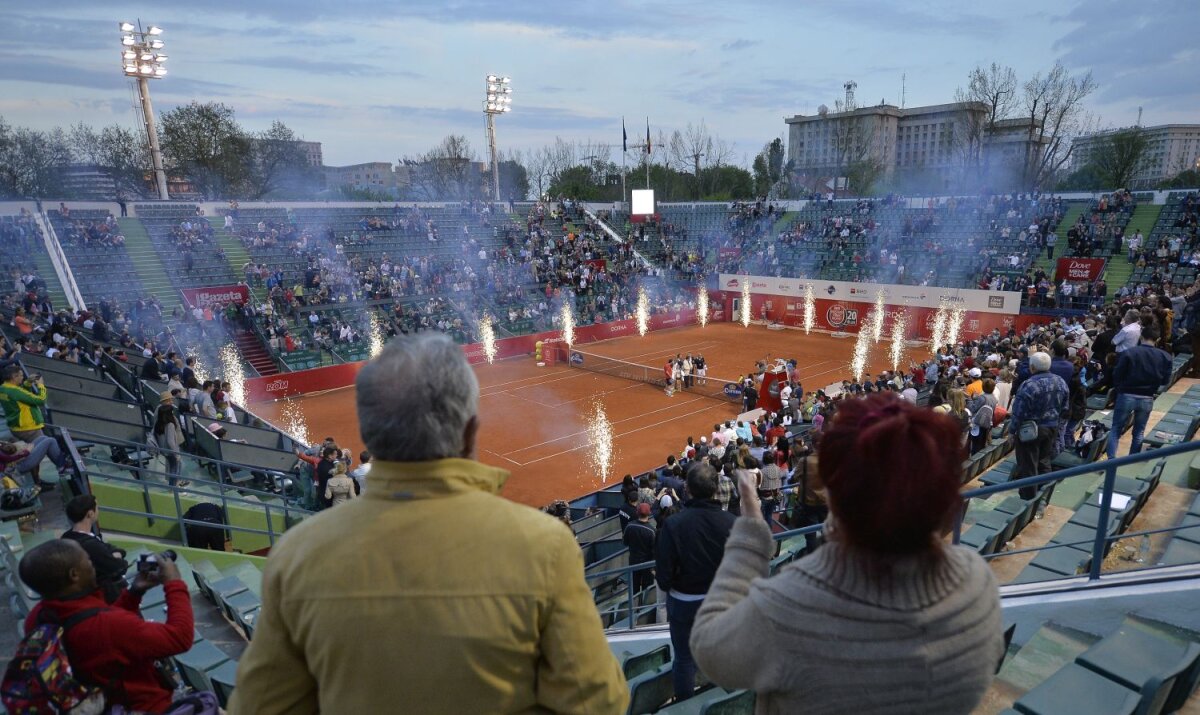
x: 374, y: 81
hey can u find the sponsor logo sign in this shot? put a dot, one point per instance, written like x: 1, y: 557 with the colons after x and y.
x: 996, y: 301
x: 839, y: 315
x: 1079, y: 269
x: 732, y: 391
x: 215, y: 296
x: 276, y: 386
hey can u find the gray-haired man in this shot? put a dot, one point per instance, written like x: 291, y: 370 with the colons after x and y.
x: 431, y: 590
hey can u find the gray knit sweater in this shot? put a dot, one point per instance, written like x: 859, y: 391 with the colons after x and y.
x: 840, y: 632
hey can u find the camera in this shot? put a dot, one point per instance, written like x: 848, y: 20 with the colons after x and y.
x: 148, y: 563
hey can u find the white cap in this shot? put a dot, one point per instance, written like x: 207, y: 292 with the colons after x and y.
x: 974, y: 372
x: 703, y: 440
x: 666, y: 502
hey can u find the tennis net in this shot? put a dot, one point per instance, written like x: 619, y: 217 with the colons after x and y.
x: 717, y: 388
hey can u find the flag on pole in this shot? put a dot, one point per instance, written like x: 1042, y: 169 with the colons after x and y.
x: 624, y: 136
x: 648, y: 148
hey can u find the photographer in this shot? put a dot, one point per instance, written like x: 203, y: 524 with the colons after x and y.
x: 111, y: 647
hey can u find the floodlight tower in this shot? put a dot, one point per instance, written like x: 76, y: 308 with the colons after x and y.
x: 142, y: 58
x: 498, y: 100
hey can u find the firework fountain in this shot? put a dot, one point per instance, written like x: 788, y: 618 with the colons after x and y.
x: 642, y: 313
x: 567, y: 316
x: 899, y: 325
x: 231, y: 371
x: 938, y: 337
x: 862, y: 348
x: 600, y: 438
x: 374, y: 334
x: 746, y: 308
x: 954, y: 324
x: 294, y: 423
x: 810, y: 308
x: 702, y: 306
x: 487, y: 337
x: 877, y: 317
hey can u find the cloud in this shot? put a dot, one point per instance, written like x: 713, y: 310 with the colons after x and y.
x: 45, y: 69
x: 738, y: 44
x: 338, y: 68
x: 1135, y: 52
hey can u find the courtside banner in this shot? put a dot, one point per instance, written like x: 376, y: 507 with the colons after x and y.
x: 215, y: 296
x: 1079, y: 269
x: 979, y: 301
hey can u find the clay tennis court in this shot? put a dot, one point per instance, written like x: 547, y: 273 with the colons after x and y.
x: 534, y: 419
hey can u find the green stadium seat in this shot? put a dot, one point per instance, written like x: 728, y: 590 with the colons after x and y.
x: 195, y: 664
x: 649, y: 691
x: 635, y: 665
x: 1075, y: 689
x: 1146, y: 663
x: 223, y: 678
x: 1064, y: 560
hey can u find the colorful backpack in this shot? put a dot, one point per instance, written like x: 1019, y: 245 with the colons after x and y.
x: 39, y: 681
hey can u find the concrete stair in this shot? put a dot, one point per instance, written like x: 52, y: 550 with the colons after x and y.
x: 255, y: 353
x: 45, y: 270
x: 1119, y: 268
x: 148, y: 265
x: 1060, y: 248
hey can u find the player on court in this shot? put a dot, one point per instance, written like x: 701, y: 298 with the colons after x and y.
x: 701, y: 368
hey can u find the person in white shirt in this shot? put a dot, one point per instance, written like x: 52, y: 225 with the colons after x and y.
x: 359, y: 474
x: 1130, y: 333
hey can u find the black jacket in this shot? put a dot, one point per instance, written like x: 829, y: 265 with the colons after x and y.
x: 690, y: 547
x: 640, y: 538
x: 110, y: 565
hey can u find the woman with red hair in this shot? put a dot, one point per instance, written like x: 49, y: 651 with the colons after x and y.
x: 887, y: 616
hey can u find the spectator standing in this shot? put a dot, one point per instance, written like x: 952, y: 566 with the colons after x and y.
x: 1042, y: 399
x: 113, y: 646
x: 202, y: 536
x: 1130, y: 333
x: 689, y: 549
x: 340, y: 488
x: 23, y: 400
x: 359, y: 474
x: 473, y: 604
x: 1141, y: 373
x: 640, y: 536
x: 915, y: 621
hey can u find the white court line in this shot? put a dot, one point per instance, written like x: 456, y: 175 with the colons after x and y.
x: 501, y: 456
x: 660, y: 351
x: 623, y: 434
x: 523, y: 379
x: 634, y: 417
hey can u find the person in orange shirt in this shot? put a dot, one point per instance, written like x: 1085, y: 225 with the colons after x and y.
x: 974, y: 388
x: 23, y: 323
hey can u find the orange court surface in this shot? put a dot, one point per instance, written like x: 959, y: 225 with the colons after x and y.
x: 533, y: 420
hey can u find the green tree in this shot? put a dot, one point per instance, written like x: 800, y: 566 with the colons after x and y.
x: 118, y: 150
x: 277, y: 164
x: 1187, y: 179
x: 1120, y: 156
x: 514, y: 180
x: 205, y: 143
x: 447, y: 172
x: 29, y: 161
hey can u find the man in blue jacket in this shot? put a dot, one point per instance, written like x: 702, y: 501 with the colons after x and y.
x: 1141, y: 373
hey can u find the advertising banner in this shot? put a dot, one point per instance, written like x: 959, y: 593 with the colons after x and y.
x: 215, y: 296
x: 1079, y: 269
x: 983, y: 301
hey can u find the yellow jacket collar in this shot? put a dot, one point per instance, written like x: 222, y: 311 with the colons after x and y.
x: 435, y: 478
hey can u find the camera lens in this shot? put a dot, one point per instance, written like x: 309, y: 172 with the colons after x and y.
x: 170, y: 554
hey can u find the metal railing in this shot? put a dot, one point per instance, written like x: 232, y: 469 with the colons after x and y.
x: 1099, y: 543
x: 271, y: 511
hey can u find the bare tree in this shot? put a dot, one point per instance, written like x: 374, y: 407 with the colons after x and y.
x: 1054, y: 106
x: 446, y: 172
x: 119, y: 150
x: 996, y: 87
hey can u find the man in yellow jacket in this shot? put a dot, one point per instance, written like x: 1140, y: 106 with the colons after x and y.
x: 23, y: 401
x: 431, y: 594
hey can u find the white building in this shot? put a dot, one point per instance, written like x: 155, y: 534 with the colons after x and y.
x: 1172, y: 148
x: 936, y: 147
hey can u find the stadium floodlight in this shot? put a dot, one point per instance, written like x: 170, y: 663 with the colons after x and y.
x: 141, y: 61
x: 496, y: 101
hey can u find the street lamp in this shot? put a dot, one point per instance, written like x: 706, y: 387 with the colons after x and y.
x: 498, y: 100
x: 142, y: 59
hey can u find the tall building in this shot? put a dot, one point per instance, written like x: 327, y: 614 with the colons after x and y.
x: 374, y: 175
x: 936, y: 148
x: 1172, y: 148
x: 312, y: 153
